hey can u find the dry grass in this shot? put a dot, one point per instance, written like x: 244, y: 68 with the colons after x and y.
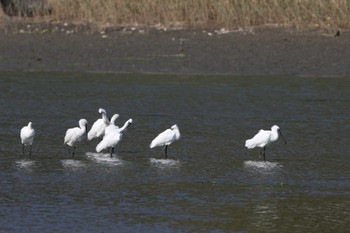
x: 2, y: 17
x: 1, y: 13
x: 301, y: 14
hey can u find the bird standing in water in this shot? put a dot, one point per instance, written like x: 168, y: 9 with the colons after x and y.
x: 113, y: 138
x: 263, y: 138
x: 166, y: 138
x: 27, y: 137
x: 75, y: 135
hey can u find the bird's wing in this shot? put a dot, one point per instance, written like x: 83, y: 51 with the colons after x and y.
x: 74, y: 135
x: 97, y: 129
x: 24, y: 132
x: 110, y: 140
x: 110, y: 129
x: 102, y: 145
x: 260, y: 139
x: 164, y: 138
x: 68, y: 135
x: 27, y: 134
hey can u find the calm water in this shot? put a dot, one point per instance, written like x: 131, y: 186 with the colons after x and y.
x: 210, y: 183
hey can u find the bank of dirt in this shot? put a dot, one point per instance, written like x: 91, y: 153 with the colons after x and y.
x: 256, y: 51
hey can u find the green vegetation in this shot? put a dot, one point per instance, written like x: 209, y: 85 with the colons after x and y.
x: 301, y: 14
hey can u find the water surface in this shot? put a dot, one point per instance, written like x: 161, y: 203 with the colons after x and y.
x: 210, y: 181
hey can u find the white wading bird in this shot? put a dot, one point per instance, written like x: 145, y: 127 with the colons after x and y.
x: 98, y: 128
x: 166, y: 138
x: 264, y: 138
x: 113, y: 138
x: 27, y: 137
x: 75, y: 135
x: 112, y: 125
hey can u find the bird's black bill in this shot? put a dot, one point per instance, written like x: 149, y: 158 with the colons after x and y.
x: 279, y: 131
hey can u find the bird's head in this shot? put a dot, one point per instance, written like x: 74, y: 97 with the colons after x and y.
x: 101, y: 110
x: 275, y: 128
x: 83, y: 122
x: 278, y: 130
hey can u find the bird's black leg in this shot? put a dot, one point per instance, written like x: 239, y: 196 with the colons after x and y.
x: 73, y: 151
x: 264, y: 153
x: 22, y: 149
x: 166, y: 151
x: 260, y: 153
x: 112, y: 151
x: 30, y: 151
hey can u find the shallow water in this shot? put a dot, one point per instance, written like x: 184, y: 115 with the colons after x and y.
x: 210, y: 181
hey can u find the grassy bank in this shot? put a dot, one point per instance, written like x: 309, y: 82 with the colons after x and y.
x: 301, y: 14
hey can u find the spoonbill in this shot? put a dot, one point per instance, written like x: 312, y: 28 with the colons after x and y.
x: 27, y: 137
x: 98, y: 128
x: 113, y: 138
x: 264, y: 138
x: 75, y: 135
x: 166, y: 138
x: 112, y: 125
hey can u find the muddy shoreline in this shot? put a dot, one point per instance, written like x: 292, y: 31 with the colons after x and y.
x: 267, y: 51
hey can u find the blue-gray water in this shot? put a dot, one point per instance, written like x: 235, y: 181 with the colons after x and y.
x: 210, y: 182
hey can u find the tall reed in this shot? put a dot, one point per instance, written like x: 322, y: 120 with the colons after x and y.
x: 205, y: 13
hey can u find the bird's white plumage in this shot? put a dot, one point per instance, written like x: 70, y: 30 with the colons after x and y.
x: 98, y: 128
x: 263, y: 138
x: 110, y: 140
x: 27, y: 134
x: 75, y: 135
x: 112, y: 125
x: 167, y: 137
x: 113, y: 138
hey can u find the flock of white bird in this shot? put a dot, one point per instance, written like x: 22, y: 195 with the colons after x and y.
x: 103, y: 129
x: 111, y: 135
